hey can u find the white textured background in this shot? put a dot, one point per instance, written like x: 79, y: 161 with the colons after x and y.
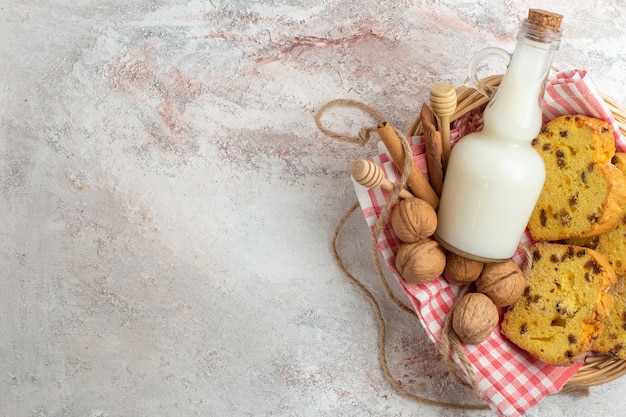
x: 167, y: 202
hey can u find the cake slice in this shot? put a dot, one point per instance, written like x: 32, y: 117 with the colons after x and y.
x: 559, y: 316
x: 612, y: 243
x: 583, y: 194
x: 612, y: 340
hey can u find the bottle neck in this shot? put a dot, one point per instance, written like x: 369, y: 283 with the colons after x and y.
x: 515, y: 109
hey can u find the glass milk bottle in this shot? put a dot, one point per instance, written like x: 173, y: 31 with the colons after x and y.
x: 494, y: 177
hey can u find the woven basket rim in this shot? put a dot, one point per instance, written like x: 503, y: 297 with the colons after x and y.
x: 597, y: 369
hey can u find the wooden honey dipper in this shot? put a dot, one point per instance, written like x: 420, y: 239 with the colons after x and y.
x: 369, y: 175
x: 443, y: 102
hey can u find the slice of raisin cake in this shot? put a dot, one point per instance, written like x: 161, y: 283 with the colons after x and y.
x: 612, y: 340
x: 584, y: 193
x: 612, y: 243
x: 560, y: 314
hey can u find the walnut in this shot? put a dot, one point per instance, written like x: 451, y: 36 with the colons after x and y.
x: 503, y: 282
x: 461, y: 270
x: 420, y: 262
x: 413, y: 219
x: 474, y: 318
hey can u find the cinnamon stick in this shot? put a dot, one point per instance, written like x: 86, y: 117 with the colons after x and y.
x: 434, y: 147
x: 416, y: 181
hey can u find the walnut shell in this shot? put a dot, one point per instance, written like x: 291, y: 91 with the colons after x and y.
x: 461, y: 270
x: 474, y: 318
x: 503, y: 282
x: 420, y: 262
x: 413, y: 219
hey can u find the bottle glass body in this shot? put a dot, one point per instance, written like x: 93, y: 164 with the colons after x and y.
x: 494, y: 176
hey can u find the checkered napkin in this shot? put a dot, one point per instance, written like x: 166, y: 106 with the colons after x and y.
x: 511, y: 380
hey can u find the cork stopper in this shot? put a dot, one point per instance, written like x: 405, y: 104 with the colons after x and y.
x: 546, y: 20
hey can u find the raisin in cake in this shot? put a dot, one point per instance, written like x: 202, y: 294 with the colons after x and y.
x: 612, y: 340
x: 612, y: 243
x: 584, y: 193
x: 559, y: 315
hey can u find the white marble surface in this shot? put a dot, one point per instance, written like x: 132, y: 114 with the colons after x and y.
x: 167, y: 201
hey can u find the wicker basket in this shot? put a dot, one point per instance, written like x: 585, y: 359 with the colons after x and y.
x: 597, y: 369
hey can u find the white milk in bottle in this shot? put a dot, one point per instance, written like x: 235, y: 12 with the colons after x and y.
x: 494, y: 176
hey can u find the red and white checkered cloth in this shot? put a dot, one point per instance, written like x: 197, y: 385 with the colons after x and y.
x: 511, y: 380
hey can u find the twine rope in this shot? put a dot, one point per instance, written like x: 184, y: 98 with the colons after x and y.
x: 364, y: 133
x: 382, y: 332
x: 451, y: 340
x: 361, y: 140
